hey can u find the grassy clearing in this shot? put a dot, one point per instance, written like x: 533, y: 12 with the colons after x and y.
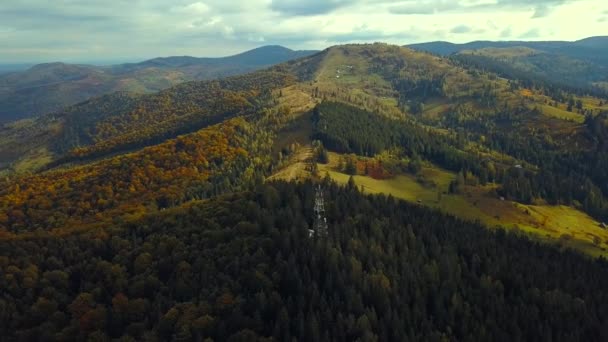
x: 556, y: 224
x: 594, y: 103
x: 34, y: 160
x: 560, y: 113
x: 296, y: 98
x: 435, y: 108
x: 296, y: 166
x: 510, y: 52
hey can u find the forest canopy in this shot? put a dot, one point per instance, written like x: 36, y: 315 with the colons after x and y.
x: 242, y: 267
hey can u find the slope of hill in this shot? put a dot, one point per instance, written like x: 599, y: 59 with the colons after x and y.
x: 122, y: 121
x: 198, y: 165
x: 48, y: 87
x: 500, y: 139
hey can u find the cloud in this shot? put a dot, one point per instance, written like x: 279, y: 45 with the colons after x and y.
x: 506, y: 33
x: 304, y: 8
x: 89, y: 30
x: 197, y: 8
x: 541, y: 11
x: 602, y: 19
x: 461, y: 29
x: 530, y: 34
x: 363, y: 33
x: 424, y: 7
x: 540, y: 8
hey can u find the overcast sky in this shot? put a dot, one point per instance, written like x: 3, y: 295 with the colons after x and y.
x: 121, y: 30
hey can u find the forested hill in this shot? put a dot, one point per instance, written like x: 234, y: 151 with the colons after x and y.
x: 592, y: 48
x: 121, y: 122
x: 242, y: 268
x: 431, y: 129
x: 260, y: 57
x: 49, y: 87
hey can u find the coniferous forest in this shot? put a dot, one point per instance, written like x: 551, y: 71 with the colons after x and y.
x: 241, y: 267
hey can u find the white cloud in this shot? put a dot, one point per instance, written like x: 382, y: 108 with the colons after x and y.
x: 195, y: 8
x: 530, y: 34
x: 461, y: 29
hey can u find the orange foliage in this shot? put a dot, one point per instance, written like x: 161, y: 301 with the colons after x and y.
x: 153, y: 118
x: 124, y: 187
x: 374, y: 169
x: 526, y: 92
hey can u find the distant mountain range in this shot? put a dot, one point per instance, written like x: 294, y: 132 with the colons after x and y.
x: 579, y: 64
x: 580, y: 67
x: 593, y: 49
x: 48, y: 87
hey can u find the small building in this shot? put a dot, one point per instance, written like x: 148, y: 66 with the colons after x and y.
x: 518, y: 166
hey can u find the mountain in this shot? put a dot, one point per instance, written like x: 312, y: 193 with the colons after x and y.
x: 580, y: 64
x: 48, y: 87
x: 444, y: 129
x: 263, y: 56
x: 592, y: 48
x: 451, y: 195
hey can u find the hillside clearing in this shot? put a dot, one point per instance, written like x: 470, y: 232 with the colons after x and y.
x: 556, y: 224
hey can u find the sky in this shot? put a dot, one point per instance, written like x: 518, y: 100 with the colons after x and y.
x: 33, y: 31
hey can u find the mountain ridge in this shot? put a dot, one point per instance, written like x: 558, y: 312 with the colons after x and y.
x: 446, y: 48
x: 263, y: 56
x: 57, y: 85
x: 580, y: 66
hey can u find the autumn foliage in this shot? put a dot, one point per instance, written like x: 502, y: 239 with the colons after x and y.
x: 118, y: 123
x: 193, y: 166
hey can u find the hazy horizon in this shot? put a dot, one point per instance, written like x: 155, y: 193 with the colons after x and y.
x: 12, y: 66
